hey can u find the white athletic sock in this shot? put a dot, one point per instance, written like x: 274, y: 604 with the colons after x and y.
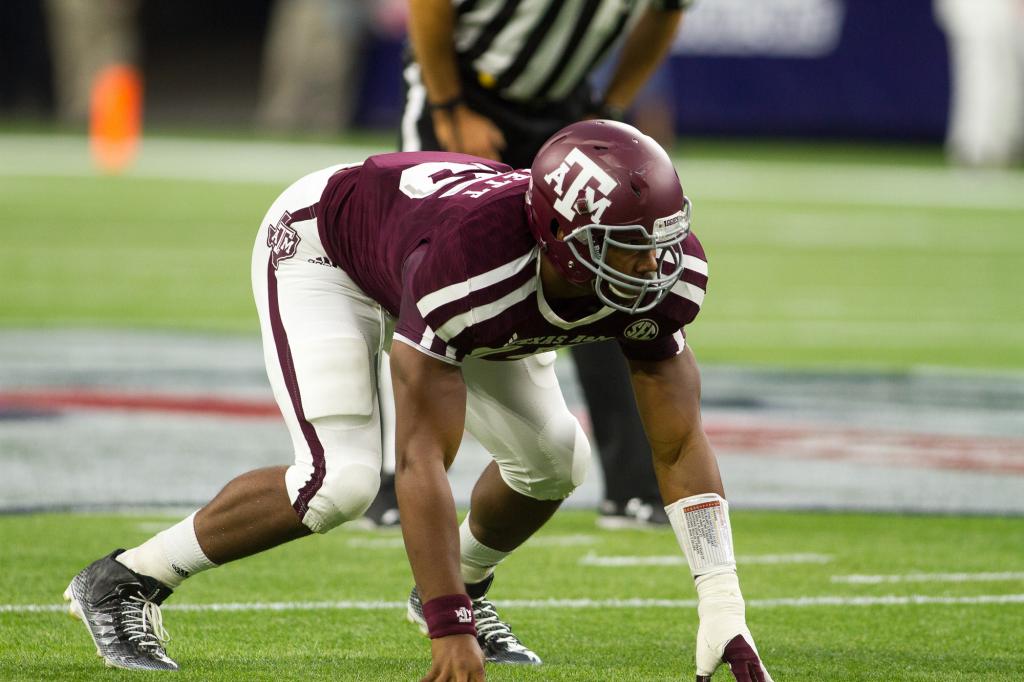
x: 476, y: 559
x: 170, y: 556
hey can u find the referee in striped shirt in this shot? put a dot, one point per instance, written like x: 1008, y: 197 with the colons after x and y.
x: 497, y: 78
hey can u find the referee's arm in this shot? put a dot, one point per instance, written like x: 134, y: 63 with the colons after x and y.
x: 432, y: 35
x: 458, y: 128
x: 645, y: 48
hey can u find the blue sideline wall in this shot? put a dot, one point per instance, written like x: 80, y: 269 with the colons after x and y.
x: 816, y: 68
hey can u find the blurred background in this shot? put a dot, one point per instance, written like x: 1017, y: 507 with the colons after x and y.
x: 854, y: 164
x: 846, y: 69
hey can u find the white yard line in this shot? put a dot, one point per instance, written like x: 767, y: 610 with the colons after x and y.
x: 567, y: 540
x: 593, y: 559
x: 928, y: 578
x: 792, y: 602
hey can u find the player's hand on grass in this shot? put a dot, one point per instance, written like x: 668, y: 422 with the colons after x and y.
x: 456, y: 658
x: 738, y: 653
x: 723, y: 636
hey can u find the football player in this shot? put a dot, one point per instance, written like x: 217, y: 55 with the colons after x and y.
x: 474, y: 272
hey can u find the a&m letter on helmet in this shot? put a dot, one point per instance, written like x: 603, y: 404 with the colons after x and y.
x: 597, y: 185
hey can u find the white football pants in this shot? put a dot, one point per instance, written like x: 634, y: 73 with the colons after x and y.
x: 322, y: 338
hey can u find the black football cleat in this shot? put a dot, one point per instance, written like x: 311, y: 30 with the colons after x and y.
x: 121, y: 610
x: 495, y: 636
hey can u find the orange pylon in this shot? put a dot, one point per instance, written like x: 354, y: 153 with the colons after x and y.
x: 115, y: 117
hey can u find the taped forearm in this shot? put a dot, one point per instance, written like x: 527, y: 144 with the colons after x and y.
x: 701, y: 524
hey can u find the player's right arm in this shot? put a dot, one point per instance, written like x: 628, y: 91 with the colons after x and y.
x: 458, y: 128
x: 430, y: 405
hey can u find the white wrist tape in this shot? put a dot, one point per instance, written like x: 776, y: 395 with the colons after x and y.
x: 701, y: 523
x: 722, y: 617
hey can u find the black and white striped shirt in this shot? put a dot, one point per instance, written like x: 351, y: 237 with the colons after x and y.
x: 540, y: 50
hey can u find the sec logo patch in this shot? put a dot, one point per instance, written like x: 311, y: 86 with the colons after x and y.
x: 642, y: 330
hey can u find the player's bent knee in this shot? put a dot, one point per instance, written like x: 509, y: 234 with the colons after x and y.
x: 567, y: 450
x: 345, y: 494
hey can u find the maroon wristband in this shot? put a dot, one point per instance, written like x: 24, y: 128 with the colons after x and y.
x: 451, y: 614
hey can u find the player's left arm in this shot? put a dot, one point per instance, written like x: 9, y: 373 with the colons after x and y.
x: 430, y: 414
x: 668, y: 398
x: 644, y: 49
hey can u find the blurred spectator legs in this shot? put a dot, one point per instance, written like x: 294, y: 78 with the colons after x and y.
x: 986, y: 49
x: 85, y: 36
x: 311, y: 65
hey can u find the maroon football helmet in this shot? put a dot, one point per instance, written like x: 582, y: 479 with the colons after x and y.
x: 602, y: 184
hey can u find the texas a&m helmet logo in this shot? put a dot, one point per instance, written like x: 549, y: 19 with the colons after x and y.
x: 590, y: 180
x: 642, y: 330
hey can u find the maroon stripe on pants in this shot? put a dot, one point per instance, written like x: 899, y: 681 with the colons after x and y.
x: 284, y: 357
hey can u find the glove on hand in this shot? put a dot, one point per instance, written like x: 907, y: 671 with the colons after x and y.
x: 723, y: 635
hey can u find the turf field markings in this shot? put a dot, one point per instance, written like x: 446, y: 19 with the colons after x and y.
x: 376, y: 543
x: 789, y: 602
x: 567, y: 540
x: 132, y: 401
x: 928, y: 578
x: 592, y: 559
x: 811, y: 332
x: 887, y: 600
x: 997, y: 454
x: 1000, y: 454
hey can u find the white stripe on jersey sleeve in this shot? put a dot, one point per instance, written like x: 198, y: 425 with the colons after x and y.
x: 425, y: 351
x: 456, y: 325
x: 690, y: 292
x: 454, y: 292
x: 427, y: 340
x: 680, y: 340
x: 695, y: 264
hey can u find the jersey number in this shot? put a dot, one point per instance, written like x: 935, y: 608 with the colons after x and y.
x: 425, y: 179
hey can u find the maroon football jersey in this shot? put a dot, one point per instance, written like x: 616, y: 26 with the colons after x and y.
x: 441, y: 241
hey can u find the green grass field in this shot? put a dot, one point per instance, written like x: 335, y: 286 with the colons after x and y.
x: 853, y: 258
x: 643, y: 642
